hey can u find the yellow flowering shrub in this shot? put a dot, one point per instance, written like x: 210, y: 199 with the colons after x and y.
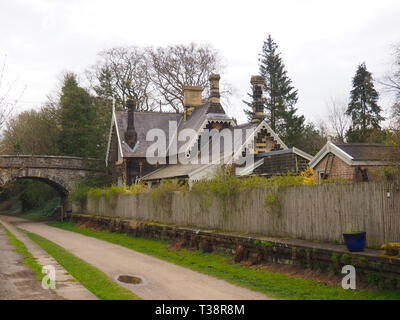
x: 308, y: 176
x: 391, y: 248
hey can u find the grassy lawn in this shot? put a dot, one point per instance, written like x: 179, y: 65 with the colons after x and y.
x: 28, y: 258
x: 92, y: 278
x: 221, y: 266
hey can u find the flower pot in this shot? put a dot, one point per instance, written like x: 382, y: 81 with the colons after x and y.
x: 355, y: 241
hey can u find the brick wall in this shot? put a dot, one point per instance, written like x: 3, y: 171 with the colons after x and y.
x: 340, y: 169
x: 375, y: 173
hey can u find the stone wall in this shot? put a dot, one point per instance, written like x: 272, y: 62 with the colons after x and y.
x: 25, y: 161
x: 60, y: 172
x: 256, y: 249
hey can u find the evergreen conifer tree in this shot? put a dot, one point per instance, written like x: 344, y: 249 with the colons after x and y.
x: 363, y: 107
x: 78, y: 119
x: 279, y: 96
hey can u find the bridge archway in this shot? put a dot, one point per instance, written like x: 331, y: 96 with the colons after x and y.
x: 62, y: 173
x: 61, y: 186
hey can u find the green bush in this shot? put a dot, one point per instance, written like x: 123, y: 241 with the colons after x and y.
x: 266, y: 244
x: 50, y: 209
x: 83, y: 191
x: 115, y: 190
x: 79, y: 194
x: 33, y: 194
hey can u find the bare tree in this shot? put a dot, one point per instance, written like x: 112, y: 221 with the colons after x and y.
x: 176, y: 66
x: 339, y: 122
x: 394, y: 123
x: 155, y: 77
x: 391, y: 85
x: 123, y: 73
x: 6, y: 108
x: 392, y: 80
x: 6, y: 105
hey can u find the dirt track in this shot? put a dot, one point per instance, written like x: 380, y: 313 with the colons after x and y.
x: 17, y: 280
x: 162, y: 280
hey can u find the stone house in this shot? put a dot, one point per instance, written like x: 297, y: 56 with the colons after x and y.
x: 353, y: 162
x: 128, y: 145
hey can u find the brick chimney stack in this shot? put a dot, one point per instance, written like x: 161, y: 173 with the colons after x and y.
x: 258, y: 105
x: 215, y: 101
x: 214, y: 88
x: 130, y: 133
x: 191, y: 99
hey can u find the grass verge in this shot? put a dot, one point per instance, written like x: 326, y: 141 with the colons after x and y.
x: 92, y: 278
x: 28, y: 258
x: 276, y: 285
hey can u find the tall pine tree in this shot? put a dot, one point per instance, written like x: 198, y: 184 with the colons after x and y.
x: 279, y: 93
x: 363, y: 107
x: 280, y: 96
x: 79, y: 133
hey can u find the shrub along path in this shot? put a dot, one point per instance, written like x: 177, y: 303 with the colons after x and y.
x: 162, y: 280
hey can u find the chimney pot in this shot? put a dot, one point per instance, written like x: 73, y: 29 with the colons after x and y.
x: 215, y: 101
x: 130, y: 133
x: 214, y: 88
x: 192, y: 96
x: 191, y: 99
x: 258, y: 105
x: 131, y: 106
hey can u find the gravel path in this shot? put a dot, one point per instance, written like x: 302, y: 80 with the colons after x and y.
x: 161, y: 279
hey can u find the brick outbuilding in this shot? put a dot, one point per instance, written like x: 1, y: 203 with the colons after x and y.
x: 354, y: 162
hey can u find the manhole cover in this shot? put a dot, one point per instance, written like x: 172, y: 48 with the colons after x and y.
x: 129, y: 279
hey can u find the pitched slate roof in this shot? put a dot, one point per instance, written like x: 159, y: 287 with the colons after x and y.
x: 370, y: 152
x: 173, y: 171
x: 144, y: 121
x: 291, y: 150
x: 197, y: 121
x: 355, y: 154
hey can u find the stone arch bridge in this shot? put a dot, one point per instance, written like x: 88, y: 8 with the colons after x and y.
x: 58, y: 171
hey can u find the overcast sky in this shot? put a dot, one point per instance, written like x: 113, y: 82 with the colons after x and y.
x: 322, y: 42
